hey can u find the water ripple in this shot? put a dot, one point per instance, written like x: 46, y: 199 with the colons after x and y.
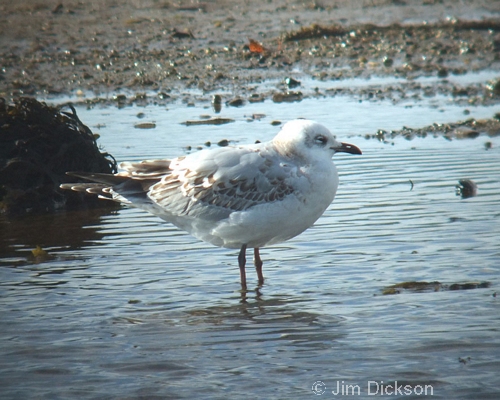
x: 126, y: 306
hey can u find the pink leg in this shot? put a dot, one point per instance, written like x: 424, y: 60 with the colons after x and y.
x: 258, y: 265
x: 242, y: 259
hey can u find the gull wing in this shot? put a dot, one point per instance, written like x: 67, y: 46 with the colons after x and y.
x: 214, y: 183
x: 209, y: 184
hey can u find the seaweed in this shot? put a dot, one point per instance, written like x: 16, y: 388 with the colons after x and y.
x: 435, y: 286
x: 38, y: 145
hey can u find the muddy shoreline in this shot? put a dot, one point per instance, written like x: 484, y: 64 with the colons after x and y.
x: 161, y: 51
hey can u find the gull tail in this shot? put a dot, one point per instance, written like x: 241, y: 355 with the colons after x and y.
x: 120, y: 188
x: 107, y: 179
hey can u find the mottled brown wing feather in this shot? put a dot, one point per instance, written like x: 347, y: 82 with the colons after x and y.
x: 232, y: 195
x: 148, y: 169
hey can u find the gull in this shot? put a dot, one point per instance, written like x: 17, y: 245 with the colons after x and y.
x: 247, y: 196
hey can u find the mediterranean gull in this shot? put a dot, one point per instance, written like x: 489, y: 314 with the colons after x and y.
x: 240, y: 197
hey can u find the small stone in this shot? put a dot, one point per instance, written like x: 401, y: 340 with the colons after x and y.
x: 216, y: 103
x: 120, y: 98
x: 494, y: 86
x: 387, y: 61
x: 287, y: 97
x: 216, y: 99
x: 163, y: 96
x: 442, y: 73
x: 145, y: 125
x: 466, y: 188
x: 292, y: 83
x: 236, y: 102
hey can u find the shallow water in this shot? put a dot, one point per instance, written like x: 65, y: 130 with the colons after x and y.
x: 126, y: 306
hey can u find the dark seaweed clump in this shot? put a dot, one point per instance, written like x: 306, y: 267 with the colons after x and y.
x: 38, y: 145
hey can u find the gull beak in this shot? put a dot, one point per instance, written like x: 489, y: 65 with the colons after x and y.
x: 347, y: 148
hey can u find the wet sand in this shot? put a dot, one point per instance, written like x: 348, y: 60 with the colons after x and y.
x: 58, y: 48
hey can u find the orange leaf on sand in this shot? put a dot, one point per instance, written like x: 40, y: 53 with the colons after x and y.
x: 255, y: 47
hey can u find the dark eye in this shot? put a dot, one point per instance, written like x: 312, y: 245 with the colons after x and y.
x: 321, y: 140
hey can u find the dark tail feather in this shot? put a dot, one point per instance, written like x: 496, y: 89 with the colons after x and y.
x: 108, y: 179
x: 125, y: 187
x: 100, y: 189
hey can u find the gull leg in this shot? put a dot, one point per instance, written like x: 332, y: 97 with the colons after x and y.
x: 258, y: 265
x: 242, y: 259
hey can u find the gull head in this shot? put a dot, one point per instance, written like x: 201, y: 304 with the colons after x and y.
x: 309, y: 141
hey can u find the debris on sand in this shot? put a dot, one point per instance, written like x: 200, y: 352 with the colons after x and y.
x: 468, y: 129
x: 179, y: 34
x: 256, y: 47
x: 287, y: 97
x: 210, y: 121
x: 38, y: 145
x: 314, y: 31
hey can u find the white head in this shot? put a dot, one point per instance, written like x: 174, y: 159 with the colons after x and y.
x: 309, y: 140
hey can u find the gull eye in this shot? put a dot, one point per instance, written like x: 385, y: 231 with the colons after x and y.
x: 321, y: 140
